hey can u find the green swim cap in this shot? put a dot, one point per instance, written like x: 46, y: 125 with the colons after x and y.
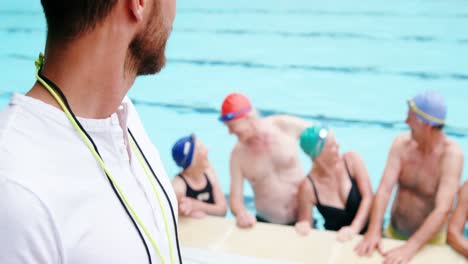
x: 313, y: 139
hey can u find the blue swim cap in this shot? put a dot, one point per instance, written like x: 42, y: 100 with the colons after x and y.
x: 430, y: 107
x: 182, y: 151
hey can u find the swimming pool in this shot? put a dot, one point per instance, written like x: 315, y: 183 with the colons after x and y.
x: 349, y: 64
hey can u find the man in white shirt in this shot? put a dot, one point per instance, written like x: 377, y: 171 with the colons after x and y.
x: 57, y: 205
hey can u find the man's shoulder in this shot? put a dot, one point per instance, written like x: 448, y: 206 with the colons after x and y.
x: 7, y: 117
x: 403, y: 138
x: 239, y: 154
x: 278, y: 120
x: 280, y: 124
x: 31, y: 147
x: 21, y: 118
x: 3, y: 130
x: 271, y: 120
x: 17, y: 129
x: 452, y: 148
x: 238, y: 149
x: 13, y: 133
x: 403, y: 141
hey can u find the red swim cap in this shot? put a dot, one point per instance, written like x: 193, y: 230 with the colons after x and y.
x: 235, y: 106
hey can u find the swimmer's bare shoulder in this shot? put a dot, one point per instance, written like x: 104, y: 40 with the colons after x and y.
x: 238, y: 151
x: 271, y: 120
x: 402, y: 142
x: 289, y: 124
x: 453, y: 146
x: 453, y: 151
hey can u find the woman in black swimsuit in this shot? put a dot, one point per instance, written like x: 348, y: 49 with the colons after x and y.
x: 197, y: 187
x: 338, y: 185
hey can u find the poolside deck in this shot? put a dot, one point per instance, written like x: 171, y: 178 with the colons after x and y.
x: 211, y: 239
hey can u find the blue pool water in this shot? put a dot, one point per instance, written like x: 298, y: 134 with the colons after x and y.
x: 350, y: 64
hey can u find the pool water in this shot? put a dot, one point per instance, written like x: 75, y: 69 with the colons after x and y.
x: 349, y: 64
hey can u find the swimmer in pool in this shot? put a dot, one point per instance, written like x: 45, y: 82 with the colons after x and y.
x: 197, y: 187
x: 338, y: 185
x: 426, y: 167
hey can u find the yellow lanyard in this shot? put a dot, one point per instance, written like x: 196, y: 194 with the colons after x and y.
x: 39, y: 63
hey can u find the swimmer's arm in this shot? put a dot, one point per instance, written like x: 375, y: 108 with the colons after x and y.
x: 452, y: 166
x: 236, y: 195
x: 388, y: 182
x: 361, y: 175
x: 180, y: 190
x: 457, y: 223
x: 291, y: 124
x: 179, y: 187
x: 219, y: 207
x: 305, y: 203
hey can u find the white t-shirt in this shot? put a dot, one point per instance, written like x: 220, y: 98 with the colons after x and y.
x: 56, y: 203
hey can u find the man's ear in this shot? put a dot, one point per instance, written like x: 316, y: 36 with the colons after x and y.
x: 137, y: 8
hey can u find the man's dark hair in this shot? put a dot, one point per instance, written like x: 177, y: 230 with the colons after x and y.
x: 68, y: 19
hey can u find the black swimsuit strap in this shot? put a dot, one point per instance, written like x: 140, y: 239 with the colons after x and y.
x: 315, y: 189
x: 183, y: 178
x: 313, y: 184
x: 207, y: 179
x: 347, y: 168
x: 208, y: 183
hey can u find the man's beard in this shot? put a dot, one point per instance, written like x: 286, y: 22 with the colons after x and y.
x: 146, y: 53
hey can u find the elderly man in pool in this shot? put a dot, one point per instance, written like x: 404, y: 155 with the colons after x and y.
x: 267, y: 156
x: 427, y: 166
